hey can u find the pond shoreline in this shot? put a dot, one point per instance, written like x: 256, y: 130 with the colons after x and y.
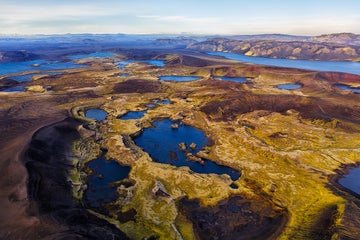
x: 48, y: 168
x: 341, y: 172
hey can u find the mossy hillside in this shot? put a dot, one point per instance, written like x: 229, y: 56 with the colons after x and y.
x: 282, y: 156
x: 285, y: 156
x: 298, y: 175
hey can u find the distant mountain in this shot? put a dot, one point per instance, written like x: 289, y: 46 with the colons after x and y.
x: 332, y: 47
x: 16, y: 56
x: 276, y: 37
x: 175, y: 42
x: 340, y: 38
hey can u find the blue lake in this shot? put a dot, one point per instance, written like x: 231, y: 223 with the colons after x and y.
x: 123, y: 64
x: 92, y: 55
x: 232, y: 79
x: 28, y: 77
x: 126, y: 75
x: 100, y: 184
x: 150, y: 105
x: 15, y: 89
x: 97, y: 114
x: 352, y: 180
x: 132, y: 115
x: 289, y: 86
x: 18, y: 67
x: 348, y: 88
x: 162, y: 143
x: 162, y: 101
x: 179, y: 78
x: 326, y: 66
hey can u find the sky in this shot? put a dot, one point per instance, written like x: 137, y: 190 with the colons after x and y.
x: 229, y: 17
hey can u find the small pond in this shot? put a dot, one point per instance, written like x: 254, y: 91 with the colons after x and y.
x: 133, y: 115
x: 179, y: 78
x: 97, y: 114
x: 289, y: 86
x: 232, y: 79
x: 126, y: 75
x: 150, y: 105
x: 15, y: 89
x: 101, y: 187
x: 352, y: 180
x: 92, y: 55
x: 348, y: 88
x: 165, y: 101
x: 162, y: 143
x: 123, y: 64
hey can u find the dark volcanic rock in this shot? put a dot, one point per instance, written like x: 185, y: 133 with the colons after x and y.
x: 7, y: 83
x: 307, y: 107
x: 233, y: 219
x: 137, y: 86
x: 48, y: 160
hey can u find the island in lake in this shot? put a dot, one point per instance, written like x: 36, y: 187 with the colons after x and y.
x: 173, y: 137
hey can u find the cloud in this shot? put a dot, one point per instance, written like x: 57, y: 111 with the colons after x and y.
x: 183, y: 19
x: 32, y: 13
x: 142, y: 16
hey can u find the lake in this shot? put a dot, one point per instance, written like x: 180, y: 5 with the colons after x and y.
x: 352, y: 180
x: 92, y: 55
x: 162, y: 101
x: 179, y: 78
x: 289, y: 86
x: 101, y: 188
x: 133, y: 115
x: 18, y: 67
x: 150, y: 105
x: 28, y: 77
x: 126, y: 75
x: 15, y: 89
x: 232, y: 79
x: 97, y: 114
x: 157, y: 63
x: 162, y: 143
x: 326, y: 66
x: 348, y: 88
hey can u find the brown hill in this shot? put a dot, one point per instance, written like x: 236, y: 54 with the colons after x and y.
x: 339, y: 38
x: 333, y: 47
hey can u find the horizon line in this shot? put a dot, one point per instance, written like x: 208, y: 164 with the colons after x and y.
x: 179, y: 34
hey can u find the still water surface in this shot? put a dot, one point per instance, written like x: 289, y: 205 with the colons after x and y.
x: 162, y: 143
x: 327, y: 66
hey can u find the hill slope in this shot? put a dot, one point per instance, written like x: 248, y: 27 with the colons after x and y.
x: 333, y: 47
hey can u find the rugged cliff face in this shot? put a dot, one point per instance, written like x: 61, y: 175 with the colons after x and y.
x: 337, y: 47
x: 50, y: 192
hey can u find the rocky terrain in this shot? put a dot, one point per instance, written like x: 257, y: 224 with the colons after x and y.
x: 290, y: 146
x: 339, y: 38
x: 334, y: 47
